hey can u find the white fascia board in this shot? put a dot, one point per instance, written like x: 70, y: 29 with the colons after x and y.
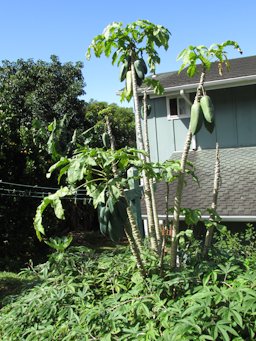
x: 206, y: 217
x: 211, y: 85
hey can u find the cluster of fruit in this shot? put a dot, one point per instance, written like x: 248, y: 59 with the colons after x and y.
x: 126, y: 73
x: 202, y: 111
x: 113, y: 219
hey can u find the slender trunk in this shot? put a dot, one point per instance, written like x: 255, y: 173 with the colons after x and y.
x: 180, y: 184
x: 151, y: 183
x: 132, y: 231
x: 177, y: 200
x: 216, y: 186
x: 139, y: 137
x: 165, y: 228
x: 136, y: 251
x: 140, y: 144
x: 155, y: 215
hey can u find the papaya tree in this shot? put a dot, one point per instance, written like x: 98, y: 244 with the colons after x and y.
x: 201, y: 112
x: 128, y: 45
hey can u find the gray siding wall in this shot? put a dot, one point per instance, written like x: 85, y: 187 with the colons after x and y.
x: 235, y: 123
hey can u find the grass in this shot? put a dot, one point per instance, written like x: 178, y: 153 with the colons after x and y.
x: 13, y: 284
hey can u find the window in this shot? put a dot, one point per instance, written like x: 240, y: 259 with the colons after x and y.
x: 177, y: 108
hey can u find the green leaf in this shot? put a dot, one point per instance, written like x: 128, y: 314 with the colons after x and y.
x: 75, y: 170
x: 191, y: 70
x: 55, y: 202
x: 224, y: 333
x: 115, y: 191
x: 206, y: 337
x: 59, y: 243
x: 98, y: 196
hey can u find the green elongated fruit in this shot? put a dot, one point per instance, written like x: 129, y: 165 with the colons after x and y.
x: 105, y: 140
x: 139, y: 68
x: 123, y: 70
x: 143, y: 66
x: 120, y: 210
x: 103, y: 216
x: 149, y: 108
x: 207, y: 108
x: 139, y: 81
x: 115, y: 228
x: 196, y: 118
x: 129, y: 83
x: 209, y: 126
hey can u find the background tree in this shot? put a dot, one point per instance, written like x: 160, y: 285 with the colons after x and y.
x: 122, y: 123
x: 32, y: 94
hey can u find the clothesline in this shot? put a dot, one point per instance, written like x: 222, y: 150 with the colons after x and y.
x: 11, y: 189
x: 32, y: 186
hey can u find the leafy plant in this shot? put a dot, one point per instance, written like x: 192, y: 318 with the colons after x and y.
x: 99, y: 294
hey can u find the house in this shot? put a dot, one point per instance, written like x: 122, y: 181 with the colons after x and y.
x: 234, y: 98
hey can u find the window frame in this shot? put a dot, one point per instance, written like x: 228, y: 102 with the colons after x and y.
x: 179, y: 116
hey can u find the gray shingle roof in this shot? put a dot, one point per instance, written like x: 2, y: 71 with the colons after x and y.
x: 239, y: 67
x: 237, y: 195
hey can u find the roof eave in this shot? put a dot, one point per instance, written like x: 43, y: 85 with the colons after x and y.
x: 211, y: 85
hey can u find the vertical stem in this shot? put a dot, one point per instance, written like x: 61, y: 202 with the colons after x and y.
x: 216, y: 186
x: 151, y: 184
x: 135, y: 249
x: 180, y: 184
x: 140, y: 143
x: 132, y: 231
x: 138, y: 128
x: 165, y: 228
x: 177, y: 201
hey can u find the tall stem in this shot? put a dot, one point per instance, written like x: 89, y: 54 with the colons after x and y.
x: 216, y: 186
x: 180, y: 184
x: 165, y: 227
x: 132, y: 231
x: 151, y: 183
x: 140, y: 144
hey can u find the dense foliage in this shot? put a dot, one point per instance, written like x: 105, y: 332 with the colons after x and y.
x: 122, y: 123
x: 85, y: 294
x: 32, y: 94
x: 39, y: 102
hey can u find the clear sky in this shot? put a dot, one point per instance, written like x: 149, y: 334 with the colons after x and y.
x: 39, y: 28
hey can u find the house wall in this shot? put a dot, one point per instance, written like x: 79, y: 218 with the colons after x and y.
x: 235, y: 123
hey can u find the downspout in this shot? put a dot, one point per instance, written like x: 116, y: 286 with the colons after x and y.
x: 186, y: 98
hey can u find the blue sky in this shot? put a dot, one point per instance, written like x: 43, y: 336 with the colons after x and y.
x: 39, y: 28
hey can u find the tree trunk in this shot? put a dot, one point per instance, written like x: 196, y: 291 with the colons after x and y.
x: 151, y: 183
x: 146, y: 184
x: 135, y: 249
x: 132, y: 231
x: 180, y: 184
x: 165, y: 228
x: 216, y: 185
x: 177, y: 201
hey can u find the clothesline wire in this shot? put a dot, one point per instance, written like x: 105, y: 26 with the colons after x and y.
x: 13, y: 191
x: 32, y: 186
x: 41, y: 197
x: 33, y: 191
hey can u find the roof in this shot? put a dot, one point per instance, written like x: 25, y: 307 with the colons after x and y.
x: 240, y: 68
x: 237, y: 195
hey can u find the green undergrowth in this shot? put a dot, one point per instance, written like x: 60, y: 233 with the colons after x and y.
x: 13, y: 284
x: 86, y: 294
